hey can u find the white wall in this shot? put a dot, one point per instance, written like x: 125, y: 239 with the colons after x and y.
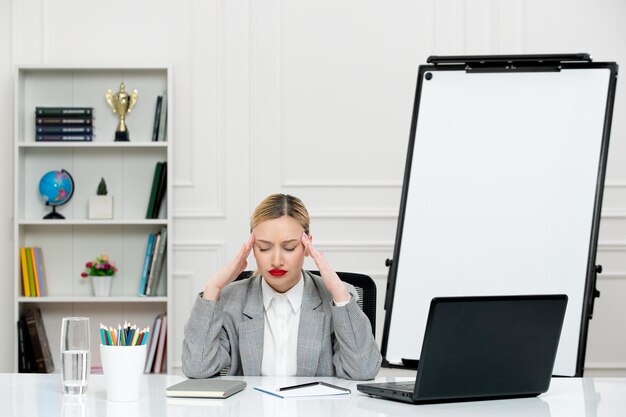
x: 313, y: 99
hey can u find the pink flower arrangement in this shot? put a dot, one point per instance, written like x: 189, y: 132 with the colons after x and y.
x: 102, y: 266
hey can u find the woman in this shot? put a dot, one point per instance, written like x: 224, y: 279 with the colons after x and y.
x: 283, y: 320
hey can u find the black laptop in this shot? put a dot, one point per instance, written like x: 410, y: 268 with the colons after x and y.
x: 485, y: 347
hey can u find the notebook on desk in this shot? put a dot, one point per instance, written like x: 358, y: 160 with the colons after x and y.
x: 205, y: 388
x: 485, y: 347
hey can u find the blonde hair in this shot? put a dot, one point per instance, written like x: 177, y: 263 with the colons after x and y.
x: 276, y: 206
x: 279, y: 205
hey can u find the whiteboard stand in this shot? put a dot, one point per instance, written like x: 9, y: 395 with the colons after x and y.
x: 502, y: 191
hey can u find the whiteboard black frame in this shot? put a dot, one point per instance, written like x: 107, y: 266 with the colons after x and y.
x: 511, y: 64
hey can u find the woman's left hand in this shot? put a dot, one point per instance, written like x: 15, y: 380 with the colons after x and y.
x: 330, y: 278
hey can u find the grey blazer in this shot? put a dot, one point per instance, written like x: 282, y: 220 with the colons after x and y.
x: 332, y: 341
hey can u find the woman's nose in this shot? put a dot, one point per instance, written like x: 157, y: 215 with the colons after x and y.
x: 277, y: 259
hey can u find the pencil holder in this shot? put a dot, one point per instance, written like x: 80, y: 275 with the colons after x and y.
x: 123, y: 367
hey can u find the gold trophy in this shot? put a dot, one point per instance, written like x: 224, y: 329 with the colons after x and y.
x: 121, y: 103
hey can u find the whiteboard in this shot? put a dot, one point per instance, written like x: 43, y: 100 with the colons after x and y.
x: 501, y: 195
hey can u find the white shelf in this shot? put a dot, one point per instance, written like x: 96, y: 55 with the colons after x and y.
x: 114, y: 222
x: 128, y: 169
x: 91, y: 299
x: 93, y: 144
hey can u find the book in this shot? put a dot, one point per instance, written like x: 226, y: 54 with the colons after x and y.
x: 61, y: 121
x: 154, y: 338
x: 160, y: 352
x: 157, y: 243
x: 309, y: 389
x: 48, y: 137
x: 158, y: 263
x: 25, y: 284
x: 31, y: 276
x: 162, y: 135
x: 39, y: 341
x: 41, y: 271
x: 205, y: 388
x: 66, y: 130
x: 35, y: 272
x: 146, y: 264
x: 157, y: 119
x: 161, y: 188
x: 75, y: 112
x: 155, y: 185
x: 25, y: 351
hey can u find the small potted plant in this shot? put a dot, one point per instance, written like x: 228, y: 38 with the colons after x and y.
x: 101, y: 271
x: 101, y: 205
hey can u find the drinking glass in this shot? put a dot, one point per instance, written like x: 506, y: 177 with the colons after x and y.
x: 75, y: 358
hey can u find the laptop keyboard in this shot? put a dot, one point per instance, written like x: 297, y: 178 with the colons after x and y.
x: 398, y: 386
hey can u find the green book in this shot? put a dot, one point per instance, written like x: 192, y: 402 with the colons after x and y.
x: 155, y: 186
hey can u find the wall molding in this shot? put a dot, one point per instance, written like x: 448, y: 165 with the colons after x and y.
x: 605, y: 365
x: 199, y: 245
x: 612, y: 246
x: 353, y: 214
x: 193, y: 214
x: 341, y: 184
x: 612, y: 276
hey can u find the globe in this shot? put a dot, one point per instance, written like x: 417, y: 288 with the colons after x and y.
x: 56, y: 188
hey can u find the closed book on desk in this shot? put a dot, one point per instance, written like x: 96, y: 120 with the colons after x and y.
x: 205, y: 388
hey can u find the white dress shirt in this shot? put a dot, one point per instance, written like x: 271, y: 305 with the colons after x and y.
x: 280, y: 335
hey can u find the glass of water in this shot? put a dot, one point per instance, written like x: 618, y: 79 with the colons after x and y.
x: 75, y: 354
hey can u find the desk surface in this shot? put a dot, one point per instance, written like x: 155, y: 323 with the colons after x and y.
x: 41, y: 395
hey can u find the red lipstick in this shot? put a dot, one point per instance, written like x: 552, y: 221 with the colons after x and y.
x: 277, y: 272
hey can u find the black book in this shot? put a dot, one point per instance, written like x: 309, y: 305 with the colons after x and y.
x: 62, y: 121
x: 25, y: 350
x: 39, y: 341
x: 73, y: 112
x: 153, y: 191
x: 162, y: 185
x: 52, y: 137
x: 157, y: 118
x: 65, y: 130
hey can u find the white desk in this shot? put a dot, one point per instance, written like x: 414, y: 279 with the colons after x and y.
x: 40, y: 395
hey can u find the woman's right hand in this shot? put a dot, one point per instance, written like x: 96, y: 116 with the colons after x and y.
x: 229, y: 272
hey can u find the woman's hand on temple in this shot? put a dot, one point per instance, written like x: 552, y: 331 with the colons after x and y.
x: 229, y: 272
x: 330, y: 278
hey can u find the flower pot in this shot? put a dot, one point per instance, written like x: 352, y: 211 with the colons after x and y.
x: 101, y: 286
x: 101, y: 207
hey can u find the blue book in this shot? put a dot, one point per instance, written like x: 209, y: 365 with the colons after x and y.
x: 146, y: 265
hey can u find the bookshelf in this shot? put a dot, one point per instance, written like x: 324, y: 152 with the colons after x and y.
x: 127, y: 167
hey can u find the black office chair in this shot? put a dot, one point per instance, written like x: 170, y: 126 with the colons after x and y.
x: 364, y: 285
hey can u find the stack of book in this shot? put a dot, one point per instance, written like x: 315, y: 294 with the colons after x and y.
x: 153, y: 263
x: 34, y: 282
x: 156, y: 360
x: 58, y: 124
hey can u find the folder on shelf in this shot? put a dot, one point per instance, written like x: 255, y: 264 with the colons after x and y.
x: 154, y: 338
x: 146, y: 264
x: 41, y: 271
x: 159, y: 358
x: 153, y: 192
x: 25, y: 283
x: 31, y: 274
